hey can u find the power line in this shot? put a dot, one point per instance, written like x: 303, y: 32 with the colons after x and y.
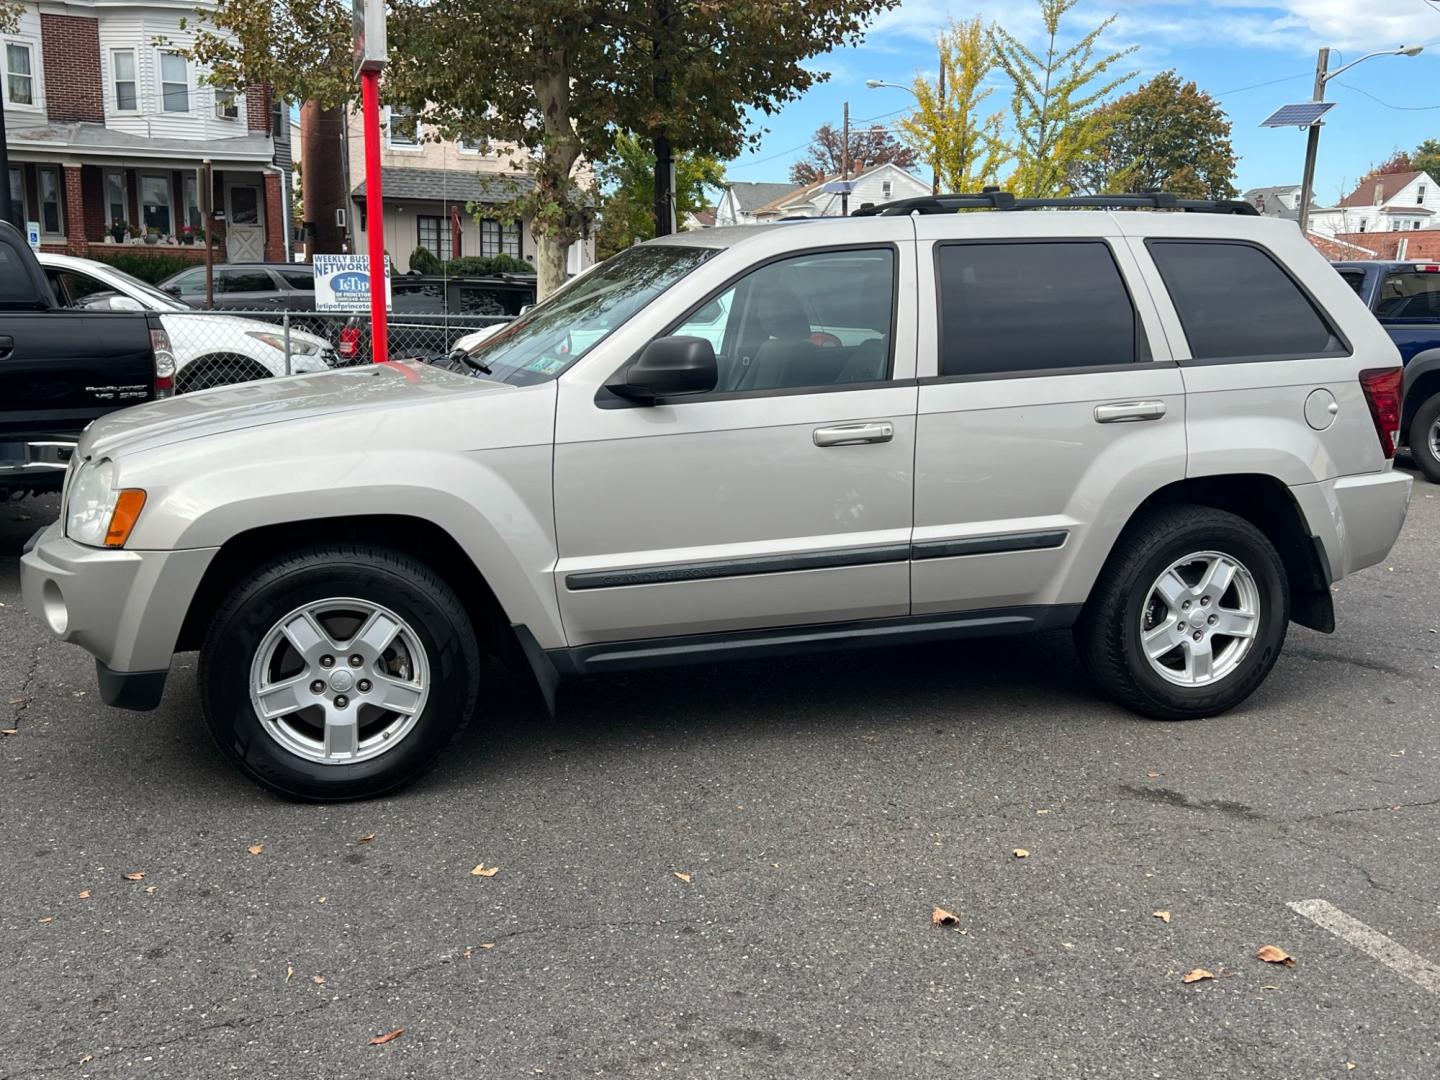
x: 1272, y: 82
x: 1397, y: 108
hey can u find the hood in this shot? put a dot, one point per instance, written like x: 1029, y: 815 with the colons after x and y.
x: 275, y: 401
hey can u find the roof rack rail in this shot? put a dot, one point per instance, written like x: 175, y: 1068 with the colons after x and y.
x: 995, y: 199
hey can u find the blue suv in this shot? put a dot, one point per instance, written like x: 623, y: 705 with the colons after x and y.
x: 1405, y: 297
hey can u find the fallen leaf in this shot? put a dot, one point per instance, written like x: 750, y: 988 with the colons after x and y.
x: 9, y: 731
x: 321, y: 900
x: 1153, y: 775
x: 686, y: 878
x: 940, y: 917
x: 151, y: 890
x: 318, y: 980
x: 255, y: 849
x: 22, y: 700
x: 84, y: 894
x: 135, y: 875
x: 1042, y: 813
x: 47, y: 918
x: 1349, y: 1065
x: 1163, y: 916
x: 289, y: 972
x: 482, y: 871
x: 1273, y: 955
x: 1021, y: 853
x: 487, y: 944
x: 468, y: 953
x: 1197, y: 975
x: 366, y: 838
x: 91, y: 1057
x: 389, y: 1036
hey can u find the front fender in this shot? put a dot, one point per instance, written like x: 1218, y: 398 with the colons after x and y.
x: 1420, y: 365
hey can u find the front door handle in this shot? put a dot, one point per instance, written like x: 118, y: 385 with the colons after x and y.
x: 7, y: 345
x: 1129, y: 412
x: 850, y: 434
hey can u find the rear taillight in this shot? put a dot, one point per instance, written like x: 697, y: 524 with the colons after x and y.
x: 1382, y: 388
x: 349, y: 344
x: 164, y: 364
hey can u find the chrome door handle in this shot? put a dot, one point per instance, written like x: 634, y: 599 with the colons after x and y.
x: 1129, y: 412
x: 848, y: 434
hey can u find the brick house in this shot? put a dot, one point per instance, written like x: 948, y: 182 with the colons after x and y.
x: 108, y: 124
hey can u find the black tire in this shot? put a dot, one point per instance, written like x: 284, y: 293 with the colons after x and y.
x: 405, y: 586
x: 1109, y: 630
x: 1421, y: 448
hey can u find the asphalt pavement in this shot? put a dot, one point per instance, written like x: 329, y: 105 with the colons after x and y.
x: 730, y: 871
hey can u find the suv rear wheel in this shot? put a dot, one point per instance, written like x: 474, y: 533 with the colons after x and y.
x: 1424, y: 438
x: 1188, y: 616
x: 338, y: 672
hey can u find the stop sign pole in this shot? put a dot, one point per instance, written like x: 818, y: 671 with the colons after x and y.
x: 368, y: 25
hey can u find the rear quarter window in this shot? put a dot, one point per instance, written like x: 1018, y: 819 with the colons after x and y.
x: 1236, y: 302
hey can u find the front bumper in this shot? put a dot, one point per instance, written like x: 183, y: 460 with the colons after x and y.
x: 123, y: 607
x: 1357, y: 518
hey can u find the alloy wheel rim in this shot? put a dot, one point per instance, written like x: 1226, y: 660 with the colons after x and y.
x: 1435, y: 440
x: 339, y: 681
x: 1200, y: 619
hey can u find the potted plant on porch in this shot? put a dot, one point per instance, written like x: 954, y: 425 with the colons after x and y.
x: 188, y: 234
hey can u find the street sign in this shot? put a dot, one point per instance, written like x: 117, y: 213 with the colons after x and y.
x: 1305, y: 114
x: 367, y: 27
x: 32, y: 234
x: 342, y: 283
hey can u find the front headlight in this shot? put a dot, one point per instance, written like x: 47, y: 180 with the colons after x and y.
x: 98, y: 514
x: 298, y: 347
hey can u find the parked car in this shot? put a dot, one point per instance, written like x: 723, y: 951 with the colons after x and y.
x: 210, y: 350
x: 274, y: 287
x: 62, y: 368
x: 1405, y: 297
x: 1169, y: 432
x: 423, y: 320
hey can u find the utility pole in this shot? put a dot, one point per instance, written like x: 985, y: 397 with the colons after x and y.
x: 1312, y: 143
x: 935, y: 182
x: 207, y: 217
x: 664, y: 203
x: 845, y: 164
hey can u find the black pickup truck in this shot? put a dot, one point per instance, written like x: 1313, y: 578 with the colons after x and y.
x: 62, y: 367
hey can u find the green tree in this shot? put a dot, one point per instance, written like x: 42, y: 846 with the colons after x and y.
x: 300, y: 48
x: 627, y: 180
x: 951, y: 129
x: 869, y: 146
x: 1054, y: 99
x: 1167, y: 135
x: 1426, y: 158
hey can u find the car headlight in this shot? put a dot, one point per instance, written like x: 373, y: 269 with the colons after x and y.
x: 298, y: 346
x: 98, y: 514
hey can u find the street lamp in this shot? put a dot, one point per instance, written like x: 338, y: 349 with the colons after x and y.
x: 1323, y: 75
x: 876, y: 84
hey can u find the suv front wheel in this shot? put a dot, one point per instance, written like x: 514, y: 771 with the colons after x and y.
x: 1188, y: 616
x: 338, y: 672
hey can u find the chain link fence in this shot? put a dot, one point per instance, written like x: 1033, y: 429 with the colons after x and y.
x: 220, y: 348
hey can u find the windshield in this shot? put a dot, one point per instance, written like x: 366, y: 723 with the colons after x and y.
x: 551, y: 336
x: 146, y: 292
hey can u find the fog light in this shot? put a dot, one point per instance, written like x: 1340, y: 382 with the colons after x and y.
x: 56, y: 614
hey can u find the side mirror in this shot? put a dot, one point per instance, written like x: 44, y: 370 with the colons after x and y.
x: 173, y: 290
x: 668, y: 367
x: 125, y: 303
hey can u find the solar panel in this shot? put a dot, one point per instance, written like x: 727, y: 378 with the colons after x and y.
x: 1305, y: 114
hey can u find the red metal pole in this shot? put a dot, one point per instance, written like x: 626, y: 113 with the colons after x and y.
x: 374, y: 214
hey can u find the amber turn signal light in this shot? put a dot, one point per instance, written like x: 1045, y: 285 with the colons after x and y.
x: 128, y: 505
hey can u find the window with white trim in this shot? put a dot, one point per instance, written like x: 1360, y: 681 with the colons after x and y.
x: 52, y: 219
x: 155, y: 203
x: 404, y: 127
x: 500, y: 238
x: 1420, y: 196
x: 174, y: 83
x: 122, y: 72
x: 227, y: 104
x: 117, y: 206
x: 17, y: 193
x: 19, y: 73
x: 434, y: 235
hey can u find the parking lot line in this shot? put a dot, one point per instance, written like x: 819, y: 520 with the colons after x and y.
x: 1371, y: 942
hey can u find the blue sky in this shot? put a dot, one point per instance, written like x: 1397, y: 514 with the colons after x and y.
x: 1226, y: 46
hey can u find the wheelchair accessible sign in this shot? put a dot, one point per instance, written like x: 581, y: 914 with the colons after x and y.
x: 342, y: 283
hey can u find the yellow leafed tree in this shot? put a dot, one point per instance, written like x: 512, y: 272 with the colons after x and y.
x: 950, y: 127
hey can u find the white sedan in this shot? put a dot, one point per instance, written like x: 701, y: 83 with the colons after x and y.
x: 210, y: 350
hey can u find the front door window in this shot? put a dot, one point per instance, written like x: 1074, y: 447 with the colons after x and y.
x: 244, y: 206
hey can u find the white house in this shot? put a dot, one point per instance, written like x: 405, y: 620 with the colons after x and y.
x: 108, y: 124
x: 878, y: 184
x: 1282, y: 201
x: 1390, y: 202
x: 743, y: 197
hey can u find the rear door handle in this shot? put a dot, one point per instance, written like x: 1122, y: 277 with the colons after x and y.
x: 849, y: 434
x: 1129, y: 412
x: 7, y: 345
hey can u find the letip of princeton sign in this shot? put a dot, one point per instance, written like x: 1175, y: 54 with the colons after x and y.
x: 367, y: 23
x: 342, y: 283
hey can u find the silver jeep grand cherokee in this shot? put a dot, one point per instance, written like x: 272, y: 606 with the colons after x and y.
x: 1170, y: 431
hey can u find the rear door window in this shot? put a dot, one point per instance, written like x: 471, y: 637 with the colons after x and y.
x: 418, y: 297
x: 1236, y: 302
x: 299, y: 279
x: 244, y: 281
x: 1409, y: 294
x: 1009, y: 308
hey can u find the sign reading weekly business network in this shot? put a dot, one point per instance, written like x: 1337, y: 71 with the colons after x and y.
x: 342, y: 283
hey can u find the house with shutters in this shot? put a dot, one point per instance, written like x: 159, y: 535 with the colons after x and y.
x: 109, y: 125
x: 445, y: 195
